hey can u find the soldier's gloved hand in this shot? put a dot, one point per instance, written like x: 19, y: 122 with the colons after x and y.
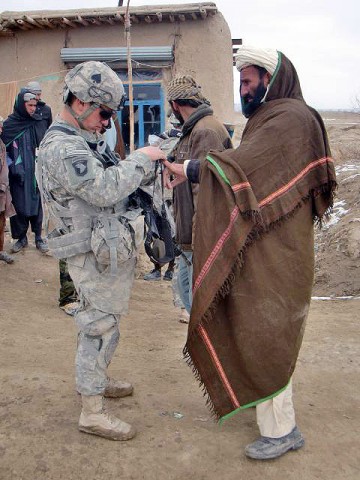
x: 153, y: 152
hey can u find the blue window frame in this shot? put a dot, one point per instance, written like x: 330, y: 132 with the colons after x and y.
x: 149, y: 113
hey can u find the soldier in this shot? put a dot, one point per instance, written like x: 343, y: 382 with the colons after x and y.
x: 87, y: 193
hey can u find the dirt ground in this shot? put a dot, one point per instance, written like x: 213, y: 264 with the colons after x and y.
x: 177, y: 438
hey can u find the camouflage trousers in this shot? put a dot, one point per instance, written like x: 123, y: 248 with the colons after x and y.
x: 97, y: 341
x: 103, y: 299
x: 67, y: 292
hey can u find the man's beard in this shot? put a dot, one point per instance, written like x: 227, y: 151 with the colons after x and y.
x: 178, y: 116
x: 248, y: 108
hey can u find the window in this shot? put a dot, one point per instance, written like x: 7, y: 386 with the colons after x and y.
x: 149, y: 114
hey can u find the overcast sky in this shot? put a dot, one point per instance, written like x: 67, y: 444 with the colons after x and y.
x: 321, y: 38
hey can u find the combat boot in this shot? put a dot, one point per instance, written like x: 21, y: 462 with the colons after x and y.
x: 95, y: 420
x: 118, y: 389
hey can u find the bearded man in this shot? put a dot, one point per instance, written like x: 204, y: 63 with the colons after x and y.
x: 254, y: 254
x: 201, y: 132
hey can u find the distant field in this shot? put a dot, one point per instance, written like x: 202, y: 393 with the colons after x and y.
x: 331, y: 117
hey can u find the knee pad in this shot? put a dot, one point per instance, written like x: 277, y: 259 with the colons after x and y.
x: 94, y: 322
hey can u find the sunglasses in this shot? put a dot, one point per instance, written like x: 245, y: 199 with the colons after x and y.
x: 106, y: 114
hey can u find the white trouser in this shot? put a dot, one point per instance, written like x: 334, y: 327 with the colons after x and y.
x: 276, y: 417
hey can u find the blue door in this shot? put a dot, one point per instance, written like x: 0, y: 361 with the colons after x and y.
x: 149, y: 114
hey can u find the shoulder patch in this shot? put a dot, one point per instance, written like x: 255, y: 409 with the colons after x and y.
x: 79, y: 170
x: 80, y: 167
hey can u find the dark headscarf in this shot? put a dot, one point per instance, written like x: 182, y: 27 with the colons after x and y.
x: 20, y: 120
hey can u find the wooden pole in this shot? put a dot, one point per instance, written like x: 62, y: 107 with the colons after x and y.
x: 129, y: 65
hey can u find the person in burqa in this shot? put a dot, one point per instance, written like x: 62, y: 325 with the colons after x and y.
x: 22, y: 134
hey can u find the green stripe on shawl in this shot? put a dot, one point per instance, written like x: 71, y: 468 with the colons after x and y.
x: 15, y: 138
x: 219, y: 169
x: 252, y: 404
x: 276, y: 70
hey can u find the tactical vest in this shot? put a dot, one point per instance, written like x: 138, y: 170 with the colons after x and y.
x: 81, y: 228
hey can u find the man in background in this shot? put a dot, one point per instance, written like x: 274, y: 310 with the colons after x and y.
x: 201, y: 132
x: 42, y: 109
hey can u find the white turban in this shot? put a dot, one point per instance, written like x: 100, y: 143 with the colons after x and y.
x: 262, y: 57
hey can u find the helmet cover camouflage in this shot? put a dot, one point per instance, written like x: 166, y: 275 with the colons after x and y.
x: 95, y: 82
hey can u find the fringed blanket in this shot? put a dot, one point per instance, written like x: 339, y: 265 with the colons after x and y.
x: 254, y: 254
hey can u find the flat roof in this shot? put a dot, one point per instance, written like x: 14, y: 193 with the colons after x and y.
x: 54, y: 19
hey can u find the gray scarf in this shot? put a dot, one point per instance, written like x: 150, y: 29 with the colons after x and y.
x: 201, y: 112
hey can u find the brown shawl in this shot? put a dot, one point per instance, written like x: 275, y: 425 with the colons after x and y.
x: 253, y: 250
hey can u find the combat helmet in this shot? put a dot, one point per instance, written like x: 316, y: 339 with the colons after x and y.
x: 96, y: 83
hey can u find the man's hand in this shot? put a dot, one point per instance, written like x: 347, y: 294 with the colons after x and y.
x: 153, y: 152
x: 177, y: 171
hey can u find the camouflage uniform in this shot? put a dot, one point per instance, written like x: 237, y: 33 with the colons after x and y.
x: 97, y: 233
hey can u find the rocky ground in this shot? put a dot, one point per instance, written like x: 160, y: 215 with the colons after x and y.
x: 338, y: 243
x: 177, y: 437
